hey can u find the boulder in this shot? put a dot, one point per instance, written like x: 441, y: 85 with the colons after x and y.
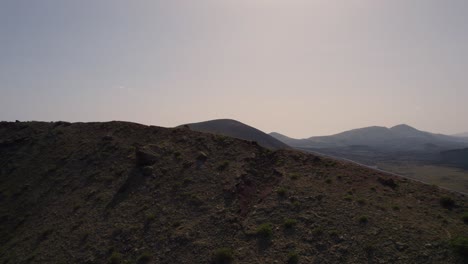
x: 145, y: 157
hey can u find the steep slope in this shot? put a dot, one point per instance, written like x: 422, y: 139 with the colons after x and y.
x: 126, y: 193
x: 233, y: 128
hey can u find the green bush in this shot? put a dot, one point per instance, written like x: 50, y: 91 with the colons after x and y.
x: 363, y: 219
x: 115, y: 258
x: 293, y: 258
x: 460, y: 245
x: 465, y: 218
x: 265, y: 230
x: 150, y: 217
x: 447, y: 202
x: 296, y: 205
x: 289, y: 223
x: 318, y: 231
x: 145, y: 257
x: 294, y: 176
x: 281, y: 191
x: 223, y: 256
x: 369, y: 248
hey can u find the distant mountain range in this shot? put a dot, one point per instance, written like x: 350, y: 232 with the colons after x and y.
x: 397, y: 138
x: 369, y: 145
x: 236, y: 129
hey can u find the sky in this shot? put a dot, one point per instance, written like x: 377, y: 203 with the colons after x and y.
x: 299, y: 67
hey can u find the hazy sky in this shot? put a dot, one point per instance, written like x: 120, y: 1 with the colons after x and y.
x: 301, y: 68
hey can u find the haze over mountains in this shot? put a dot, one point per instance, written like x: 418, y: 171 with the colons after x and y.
x: 397, y: 138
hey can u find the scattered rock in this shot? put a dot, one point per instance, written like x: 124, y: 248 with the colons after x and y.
x: 145, y: 157
x: 401, y: 246
x: 202, y: 156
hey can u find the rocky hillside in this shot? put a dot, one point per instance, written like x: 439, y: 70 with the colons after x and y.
x: 126, y: 193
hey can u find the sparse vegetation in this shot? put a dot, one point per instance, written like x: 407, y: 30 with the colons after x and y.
x: 289, y: 223
x: 293, y: 257
x: 361, y: 201
x: 387, y: 182
x: 115, y: 258
x: 223, y: 256
x: 265, y: 230
x: 460, y: 245
x: 369, y: 248
x: 281, y: 191
x: 363, y: 219
x: 187, y: 181
x: 294, y: 176
x: 447, y: 202
x: 150, y: 217
x: 317, y: 231
x: 144, y: 258
x: 333, y: 233
x: 465, y: 218
x: 296, y: 205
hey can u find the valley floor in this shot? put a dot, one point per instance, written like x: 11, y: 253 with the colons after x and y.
x: 443, y: 176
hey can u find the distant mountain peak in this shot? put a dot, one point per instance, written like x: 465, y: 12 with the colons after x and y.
x: 236, y: 129
x: 403, y: 126
x: 406, y: 130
